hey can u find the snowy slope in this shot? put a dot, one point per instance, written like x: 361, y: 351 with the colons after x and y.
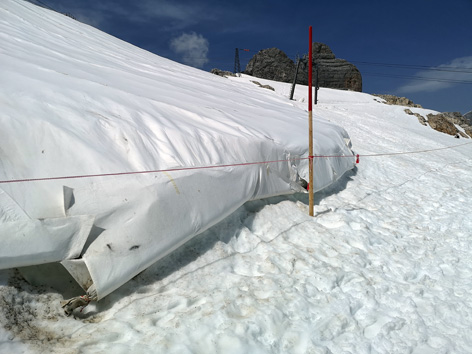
x: 384, y: 267
x: 78, y: 102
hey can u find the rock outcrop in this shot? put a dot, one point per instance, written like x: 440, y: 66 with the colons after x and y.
x: 222, y: 73
x: 332, y: 72
x: 468, y: 116
x: 445, y: 123
x: 440, y: 123
x: 271, y: 64
x: 460, y: 120
x: 274, y: 64
x: 457, y: 118
x: 263, y: 86
x: 398, y: 101
x: 421, y: 119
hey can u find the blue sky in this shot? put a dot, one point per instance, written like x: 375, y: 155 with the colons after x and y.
x: 426, y: 39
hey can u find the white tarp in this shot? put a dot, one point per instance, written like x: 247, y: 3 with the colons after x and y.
x: 75, y: 101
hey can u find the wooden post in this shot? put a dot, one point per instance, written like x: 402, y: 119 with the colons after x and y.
x: 311, y: 192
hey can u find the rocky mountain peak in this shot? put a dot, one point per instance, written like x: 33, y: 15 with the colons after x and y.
x: 274, y: 64
x: 322, y: 51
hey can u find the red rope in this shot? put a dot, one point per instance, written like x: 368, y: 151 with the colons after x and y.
x: 144, y: 172
x: 222, y: 166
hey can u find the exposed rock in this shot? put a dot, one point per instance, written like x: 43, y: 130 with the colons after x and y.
x: 440, y: 123
x: 421, y: 119
x: 398, y: 101
x: 263, y: 86
x: 454, y: 117
x: 222, y: 72
x: 468, y: 131
x: 322, y: 52
x: 332, y: 72
x: 273, y: 64
x: 445, y: 123
x: 468, y: 116
x: 457, y: 118
x: 460, y: 120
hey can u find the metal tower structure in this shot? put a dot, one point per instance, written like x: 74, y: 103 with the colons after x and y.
x: 237, y: 64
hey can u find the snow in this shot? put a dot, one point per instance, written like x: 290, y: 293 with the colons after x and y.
x: 95, y: 105
x: 383, y: 267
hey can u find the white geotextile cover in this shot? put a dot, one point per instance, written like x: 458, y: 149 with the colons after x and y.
x: 75, y: 101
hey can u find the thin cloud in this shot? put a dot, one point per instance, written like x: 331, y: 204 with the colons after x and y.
x: 168, y: 10
x: 192, y: 47
x: 169, y: 14
x: 441, y: 77
x: 174, y: 15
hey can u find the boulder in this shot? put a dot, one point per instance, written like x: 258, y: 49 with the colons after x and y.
x: 440, y: 123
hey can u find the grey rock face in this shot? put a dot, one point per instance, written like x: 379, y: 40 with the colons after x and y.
x: 468, y: 116
x: 332, y: 72
x: 456, y: 118
x: 273, y: 64
x: 321, y: 51
x: 460, y: 120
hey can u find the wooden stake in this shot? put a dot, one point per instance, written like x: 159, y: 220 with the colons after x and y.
x: 311, y: 192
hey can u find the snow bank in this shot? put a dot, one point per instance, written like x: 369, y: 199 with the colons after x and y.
x: 77, y: 102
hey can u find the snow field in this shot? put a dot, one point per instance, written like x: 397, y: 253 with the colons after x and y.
x: 384, y: 266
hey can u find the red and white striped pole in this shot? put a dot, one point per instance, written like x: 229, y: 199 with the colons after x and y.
x: 311, y: 192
